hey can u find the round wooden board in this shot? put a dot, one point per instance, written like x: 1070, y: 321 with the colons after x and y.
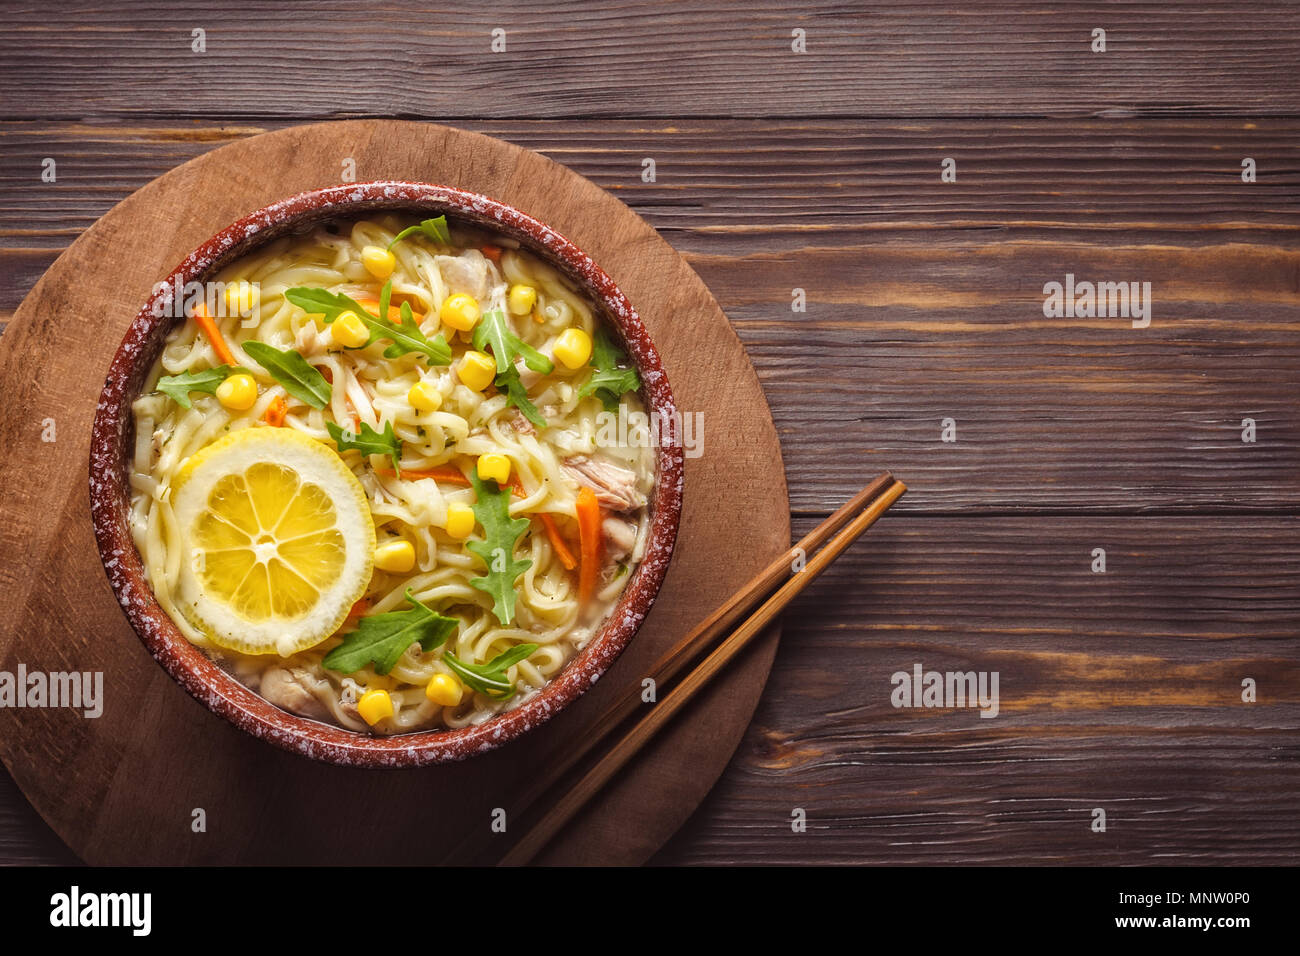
x: 122, y: 788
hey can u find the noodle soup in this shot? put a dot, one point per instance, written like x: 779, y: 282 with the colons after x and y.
x: 369, y: 478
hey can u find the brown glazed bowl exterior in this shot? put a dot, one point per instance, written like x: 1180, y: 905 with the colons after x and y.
x: 112, y: 440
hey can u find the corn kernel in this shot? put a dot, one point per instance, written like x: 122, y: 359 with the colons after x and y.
x: 424, y: 396
x: 397, y: 556
x: 379, y: 262
x: 459, y: 311
x: 242, y: 297
x: 238, y: 392
x: 445, y: 690
x: 476, y: 370
x: 460, y: 520
x: 494, y: 466
x: 573, y: 348
x: 374, y: 706
x: 521, y: 299
x: 349, y: 331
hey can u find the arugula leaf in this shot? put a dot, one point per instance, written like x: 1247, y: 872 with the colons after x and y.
x: 610, y: 381
x: 435, y: 229
x: 406, y: 337
x: 489, y: 678
x: 178, y: 387
x: 292, y: 371
x: 493, y: 333
x: 320, y: 302
x: 382, y: 638
x: 516, y: 395
x: 369, y: 442
x: 497, y: 549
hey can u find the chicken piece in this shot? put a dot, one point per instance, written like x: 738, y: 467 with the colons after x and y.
x: 615, y: 486
x: 465, y: 273
x: 620, y: 537
x: 521, y: 424
x: 291, y: 689
x: 157, y: 440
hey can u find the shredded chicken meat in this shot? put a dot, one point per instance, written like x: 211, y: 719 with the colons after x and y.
x: 615, y: 486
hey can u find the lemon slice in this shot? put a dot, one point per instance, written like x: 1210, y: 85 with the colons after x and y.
x: 279, y: 540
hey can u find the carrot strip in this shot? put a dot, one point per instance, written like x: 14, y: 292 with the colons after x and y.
x: 492, y: 252
x: 557, y: 542
x: 448, y: 473
x: 276, y: 411
x: 589, y: 543
x: 360, y: 608
x: 209, y: 327
x: 394, y: 311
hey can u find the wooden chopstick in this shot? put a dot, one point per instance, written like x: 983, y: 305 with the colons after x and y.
x: 686, y: 651
x: 627, y: 747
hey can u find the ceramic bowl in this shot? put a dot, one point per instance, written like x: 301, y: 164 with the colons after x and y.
x: 112, y: 439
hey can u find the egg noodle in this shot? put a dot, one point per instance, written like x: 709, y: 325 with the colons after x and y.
x: 551, y: 465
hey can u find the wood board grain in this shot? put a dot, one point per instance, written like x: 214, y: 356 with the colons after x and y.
x: 1120, y: 691
x: 618, y: 58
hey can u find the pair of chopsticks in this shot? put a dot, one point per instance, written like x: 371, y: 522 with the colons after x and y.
x: 794, y: 567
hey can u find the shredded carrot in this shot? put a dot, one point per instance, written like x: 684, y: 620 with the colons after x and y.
x: 276, y: 411
x: 394, y: 311
x: 448, y: 473
x: 589, y: 519
x: 537, y: 316
x: 557, y: 542
x: 360, y: 608
x: 209, y: 327
x: 492, y: 252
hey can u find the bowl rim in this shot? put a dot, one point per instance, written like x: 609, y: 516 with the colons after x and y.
x: 195, y: 671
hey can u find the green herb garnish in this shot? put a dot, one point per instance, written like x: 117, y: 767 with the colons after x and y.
x: 320, y: 302
x: 369, y: 441
x: 382, y: 638
x: 490, y: 678
x: 493, y: 334
x: 405, y: 337
x: 435, y: 229
x: 292, y: 371
x: 611, y: 380
x: 178, y: 387
x: 501, y: 534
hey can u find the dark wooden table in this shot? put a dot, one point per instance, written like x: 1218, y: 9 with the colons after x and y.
x: 821, y: 171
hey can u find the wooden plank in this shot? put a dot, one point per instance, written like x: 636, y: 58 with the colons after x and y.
x: 1119, y: 690
x: 923, y: 304
x: 740, y: 185
x: 623, y: 59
